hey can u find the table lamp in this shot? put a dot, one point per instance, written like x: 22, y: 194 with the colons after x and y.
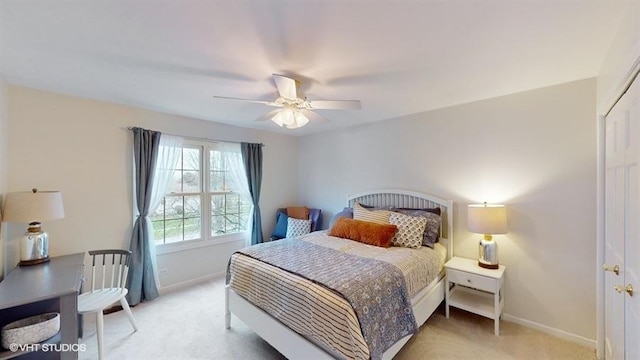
x: 487, y: 220
x: 33, y: 207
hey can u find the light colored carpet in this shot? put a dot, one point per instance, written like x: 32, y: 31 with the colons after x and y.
x: 189, y: 324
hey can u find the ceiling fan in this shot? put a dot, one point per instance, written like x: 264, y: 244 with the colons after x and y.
x: 295, y: 111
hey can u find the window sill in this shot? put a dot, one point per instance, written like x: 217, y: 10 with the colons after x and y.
x: 199, y: 243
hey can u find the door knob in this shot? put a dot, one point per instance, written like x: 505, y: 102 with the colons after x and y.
x: 628, y: 289
x: 615, y: 268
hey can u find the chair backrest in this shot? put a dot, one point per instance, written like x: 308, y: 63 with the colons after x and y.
x: 315, y: 215
x: 111, y: 268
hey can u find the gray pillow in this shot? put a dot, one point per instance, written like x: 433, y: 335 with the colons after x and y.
x: 346, y: 213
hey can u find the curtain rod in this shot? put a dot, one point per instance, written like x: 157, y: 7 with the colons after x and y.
x: 196, y: 138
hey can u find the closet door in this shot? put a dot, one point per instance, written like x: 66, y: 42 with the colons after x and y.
x: 614, y: 227
x: 622, y: 223
x: 631, y: 284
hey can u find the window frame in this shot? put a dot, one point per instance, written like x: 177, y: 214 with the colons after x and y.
x: 205, y: 239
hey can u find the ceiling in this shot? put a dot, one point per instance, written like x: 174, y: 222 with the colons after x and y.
x: 398, y: 57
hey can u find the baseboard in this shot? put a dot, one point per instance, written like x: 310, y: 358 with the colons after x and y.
x: 180, y: 285
x: 551, y: 331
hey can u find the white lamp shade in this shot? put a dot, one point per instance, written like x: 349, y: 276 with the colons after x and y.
x: 487, y: 219
x: 30, y: 206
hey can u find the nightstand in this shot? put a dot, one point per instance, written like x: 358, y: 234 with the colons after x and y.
x: 475, y: 289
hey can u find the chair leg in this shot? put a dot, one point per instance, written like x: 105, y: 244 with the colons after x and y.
x: 125, y: 306
x: 99, y: 328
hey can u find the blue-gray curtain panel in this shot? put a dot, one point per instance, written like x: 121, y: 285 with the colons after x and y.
x: 141, y: 279
x: 252, y: 159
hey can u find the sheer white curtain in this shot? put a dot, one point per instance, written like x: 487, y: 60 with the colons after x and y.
x: 233, y: 158
x: 169, y: 152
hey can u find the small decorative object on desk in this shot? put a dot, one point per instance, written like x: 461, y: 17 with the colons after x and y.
x: 31, y: 330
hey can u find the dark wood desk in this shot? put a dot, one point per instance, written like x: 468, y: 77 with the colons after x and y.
x: 37, y: 289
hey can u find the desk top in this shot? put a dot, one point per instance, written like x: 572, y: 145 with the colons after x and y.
x: 26, y: 284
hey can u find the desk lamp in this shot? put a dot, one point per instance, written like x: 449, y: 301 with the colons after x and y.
x: 33, y: 207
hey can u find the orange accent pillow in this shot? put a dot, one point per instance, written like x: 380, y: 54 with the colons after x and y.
x: 364, y: 231
x: 298, y: 212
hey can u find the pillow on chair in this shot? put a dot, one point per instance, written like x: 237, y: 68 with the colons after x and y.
x: 298, y: 212
x: 281, y: 226
x: 297, y: 227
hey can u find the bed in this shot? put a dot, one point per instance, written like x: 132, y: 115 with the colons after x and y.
x: 323, y: 325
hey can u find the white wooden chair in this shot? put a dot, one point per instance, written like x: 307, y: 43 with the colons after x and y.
x: 108, y: 279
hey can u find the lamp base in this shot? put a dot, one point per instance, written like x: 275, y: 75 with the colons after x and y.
x: 34, y: 246
x: 33, y: 262
x: 488, y: 253
x: 488, y: 266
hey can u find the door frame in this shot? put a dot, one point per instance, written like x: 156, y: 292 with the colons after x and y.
x: 600, y: 236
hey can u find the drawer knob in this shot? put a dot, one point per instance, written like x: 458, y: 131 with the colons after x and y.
x: 469, y: 281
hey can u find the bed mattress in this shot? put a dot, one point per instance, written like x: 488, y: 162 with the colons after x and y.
x: 319, y: 313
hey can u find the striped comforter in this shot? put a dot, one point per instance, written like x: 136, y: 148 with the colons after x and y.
x: 317, y: 312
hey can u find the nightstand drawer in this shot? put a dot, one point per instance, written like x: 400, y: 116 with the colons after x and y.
x: 471, y: 280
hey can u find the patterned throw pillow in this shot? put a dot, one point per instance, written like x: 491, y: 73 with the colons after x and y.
x: 375, y: 216
x: 297, y: 227
x: 410, y: 230
x: 432, y: 230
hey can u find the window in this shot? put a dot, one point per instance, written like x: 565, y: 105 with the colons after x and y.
x: 202, y: 202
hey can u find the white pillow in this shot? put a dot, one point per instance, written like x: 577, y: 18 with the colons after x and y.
x: 410, y: 230
x: 297, y: 227
x: 374, y: 216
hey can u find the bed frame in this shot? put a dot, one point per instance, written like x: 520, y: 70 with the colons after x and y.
x: 294, y: 346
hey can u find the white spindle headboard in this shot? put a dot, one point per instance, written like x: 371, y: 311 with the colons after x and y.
x: 412, y: 199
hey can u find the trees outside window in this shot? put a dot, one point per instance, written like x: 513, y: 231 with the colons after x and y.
x: 201, y: 202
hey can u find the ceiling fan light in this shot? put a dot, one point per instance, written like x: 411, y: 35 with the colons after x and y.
x: 293, y: 106
x: 287, y: 117
x: 278, y: 119
x: 301, y: 120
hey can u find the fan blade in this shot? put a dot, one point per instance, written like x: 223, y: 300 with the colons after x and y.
x: 314, y: 117
x: 270, y: 103
x: 268, y: 116
x: 336, y: 104
x: 286, y: 86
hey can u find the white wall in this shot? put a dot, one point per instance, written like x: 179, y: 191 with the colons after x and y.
x: 82, y: 148
x: 4, y: 137
x: 534, y: 151
x: 622, y: 56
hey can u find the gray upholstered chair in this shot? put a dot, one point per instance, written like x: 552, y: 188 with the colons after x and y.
x: 315, y: 215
